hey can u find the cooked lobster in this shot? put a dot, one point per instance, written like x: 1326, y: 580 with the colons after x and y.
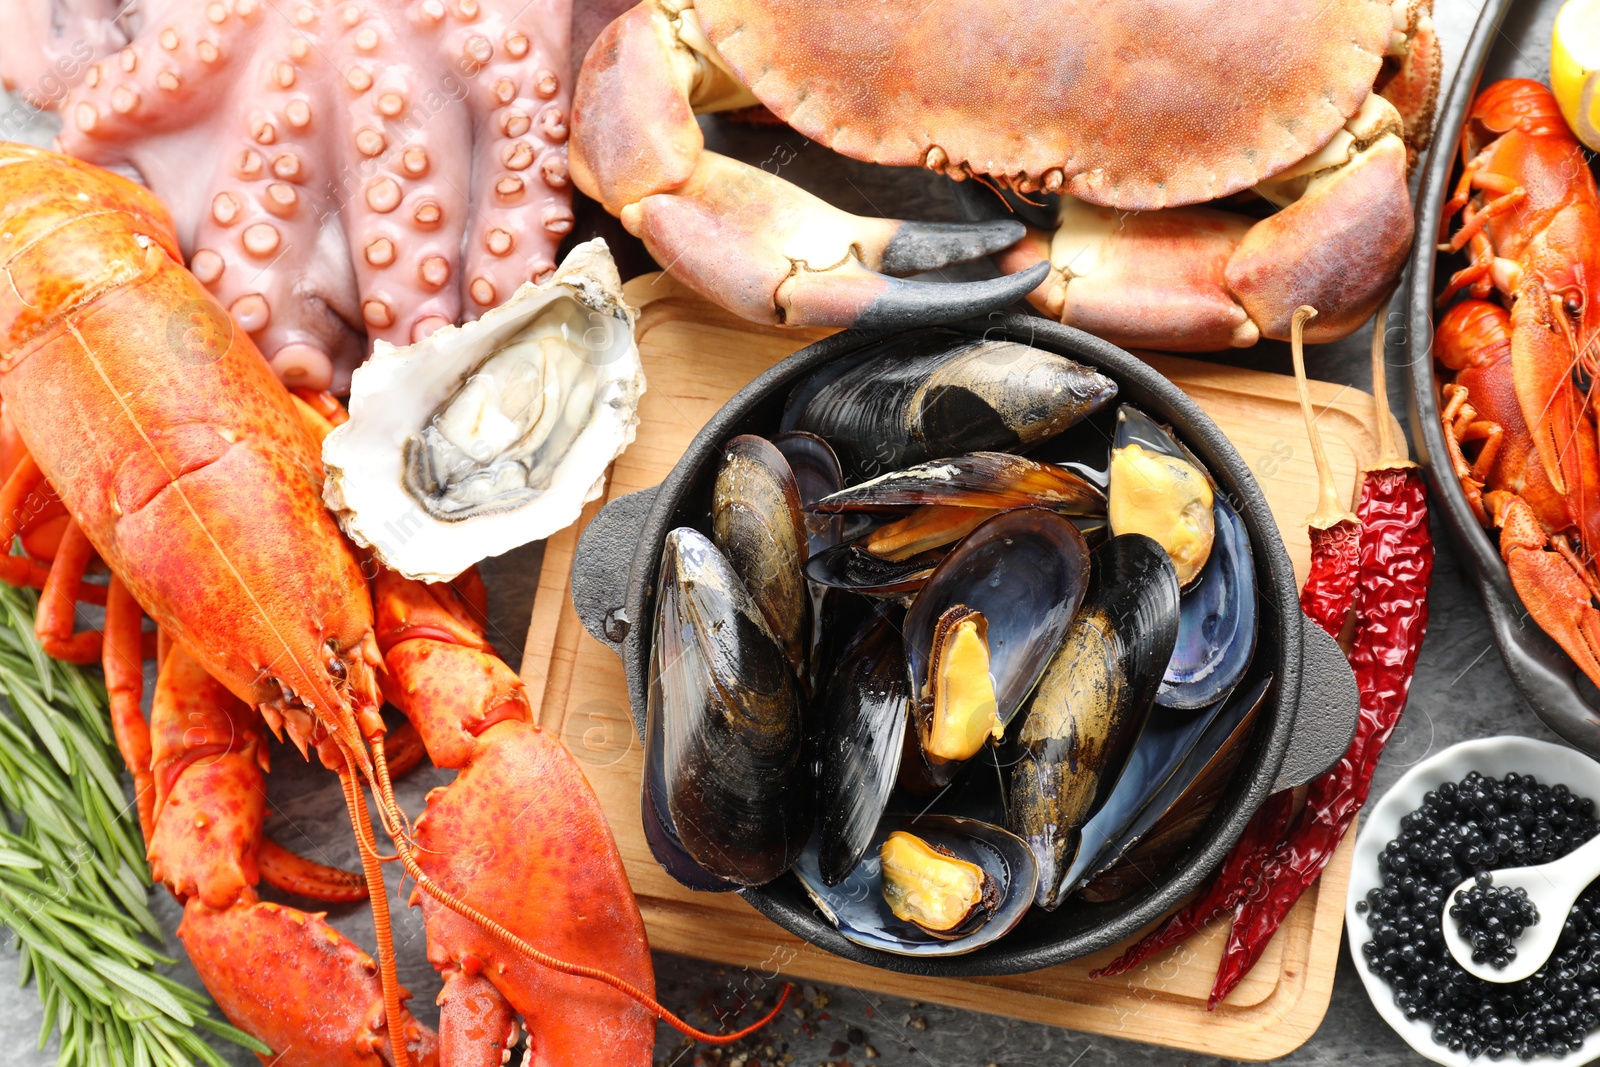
x: 1518, y: 414
x: 144, y: 428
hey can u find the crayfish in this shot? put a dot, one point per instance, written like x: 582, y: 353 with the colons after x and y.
x: 1518, y: 416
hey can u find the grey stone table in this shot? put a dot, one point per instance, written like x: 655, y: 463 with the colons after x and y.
x: 1461, y: 691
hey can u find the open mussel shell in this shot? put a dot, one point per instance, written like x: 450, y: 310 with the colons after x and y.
x: 1092, y: 702
x: 934, y: 889
x: 1179, y: 809
x: 759, y: 526
x: 852, y: 568
x: 858, y: 908
x: 997, y: 481
x: 1217, y: 621
x: 725, y: 709
x: 864, y: 710
x: 1025, y: 572
x: 1169, y: 738
x: 816, y: 476
x: 1160, y: 490
x: 934, y: 393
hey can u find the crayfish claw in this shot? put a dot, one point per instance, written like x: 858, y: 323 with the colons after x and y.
x: 1551, y: 583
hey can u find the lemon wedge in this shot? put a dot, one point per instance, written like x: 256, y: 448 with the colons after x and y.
x: 1574, y: 64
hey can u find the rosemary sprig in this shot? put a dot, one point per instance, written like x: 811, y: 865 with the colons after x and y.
x: 73, y: 876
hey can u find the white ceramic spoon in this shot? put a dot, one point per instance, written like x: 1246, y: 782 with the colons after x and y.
x: 1553, y: 887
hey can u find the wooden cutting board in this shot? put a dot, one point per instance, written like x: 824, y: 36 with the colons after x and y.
x: 696, y: 357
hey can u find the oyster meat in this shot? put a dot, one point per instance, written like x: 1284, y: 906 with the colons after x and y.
x: 486, y: 436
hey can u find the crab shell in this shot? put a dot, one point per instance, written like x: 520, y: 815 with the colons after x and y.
x: 395, y: 393
x: 1134, y: 104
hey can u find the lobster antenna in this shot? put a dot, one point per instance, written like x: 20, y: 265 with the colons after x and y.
x: 378, y: 895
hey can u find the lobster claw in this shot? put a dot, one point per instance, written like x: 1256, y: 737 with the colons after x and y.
x: 516, y: 834
x: 329, y: 1015
x: 520, y: 837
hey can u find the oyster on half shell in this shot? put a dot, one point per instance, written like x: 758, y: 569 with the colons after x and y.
x: 486, y: 436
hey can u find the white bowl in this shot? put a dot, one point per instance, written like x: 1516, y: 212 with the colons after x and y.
x: 1493, y: 757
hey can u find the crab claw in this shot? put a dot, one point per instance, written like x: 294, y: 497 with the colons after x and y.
x: 1342, y: 237
x: 1151, y: 279
x: 1197, y: 279
x: 774, y: 253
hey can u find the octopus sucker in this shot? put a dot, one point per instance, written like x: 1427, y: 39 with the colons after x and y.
x: 332, y: 116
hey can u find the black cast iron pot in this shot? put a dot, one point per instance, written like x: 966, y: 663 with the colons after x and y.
x: 1510, y: 40
x: 1307, y: 723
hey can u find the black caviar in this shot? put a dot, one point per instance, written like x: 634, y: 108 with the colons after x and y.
x: 1460, y: 830
x: 1491, y: 918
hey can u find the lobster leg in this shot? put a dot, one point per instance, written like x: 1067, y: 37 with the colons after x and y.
x: 58, y: 602
x: 740, y: 235
x: 520, y: 836
x: 123, y: 663
x: 208, y: 755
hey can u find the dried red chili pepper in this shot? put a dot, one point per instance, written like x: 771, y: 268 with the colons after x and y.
x: 1239, y: 872
x: 1335, y: 532
x: 1326, y: 597
x: 1392, y: 616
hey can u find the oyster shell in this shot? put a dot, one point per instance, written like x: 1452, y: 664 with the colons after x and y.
x: 486, y: 436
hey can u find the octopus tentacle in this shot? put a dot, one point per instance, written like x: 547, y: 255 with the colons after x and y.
x: 389, y: 166
x: 521, y: 102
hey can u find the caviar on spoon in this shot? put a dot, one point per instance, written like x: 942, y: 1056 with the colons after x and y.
x: 1551, y: 889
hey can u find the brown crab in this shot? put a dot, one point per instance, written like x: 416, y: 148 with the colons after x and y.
x: 1314, y: 107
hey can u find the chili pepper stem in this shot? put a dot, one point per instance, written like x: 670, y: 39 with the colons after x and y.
x: 1330, y: 511
x: 1335, y: 532
x: 1389, y: 454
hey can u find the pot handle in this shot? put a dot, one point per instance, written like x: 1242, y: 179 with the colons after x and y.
x: 602, y: 567
x: 1329, y: 705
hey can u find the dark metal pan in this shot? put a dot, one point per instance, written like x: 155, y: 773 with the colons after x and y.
x: 1306, y: 724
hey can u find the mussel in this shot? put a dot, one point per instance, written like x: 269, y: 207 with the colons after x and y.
x: 1092, y: 701
x: 1180, y: 808
x: 853, y: 568
x: 984, y: 626
x: 1217, y: 620
x: 725, y: 708
x: 758, y: 524
x: 937, y: 392
x: 864, y: 710
x: 997, y: 481
x: 1160, y: 490
x: 861, y: 910
x: 935, y: 890
x: 816, y: 477
x: 1151, y: 779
